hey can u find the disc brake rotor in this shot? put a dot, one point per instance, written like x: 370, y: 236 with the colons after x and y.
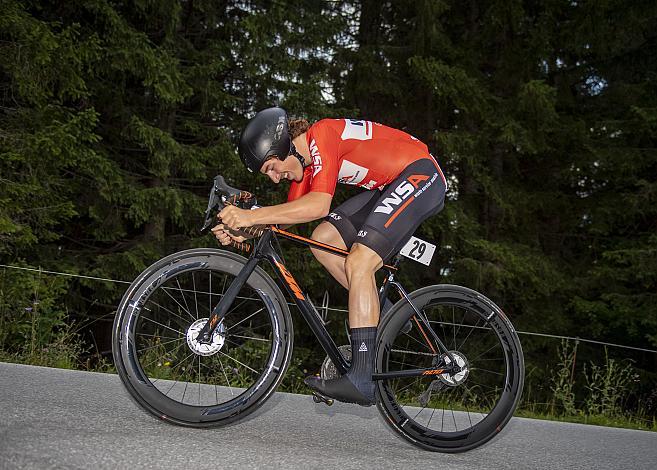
x: 205, y: 349
x: 455, y: 379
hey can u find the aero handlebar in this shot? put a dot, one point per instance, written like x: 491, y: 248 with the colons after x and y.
x: 222, y: 195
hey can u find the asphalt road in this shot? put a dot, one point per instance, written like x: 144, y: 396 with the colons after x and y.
x: 51, y: 418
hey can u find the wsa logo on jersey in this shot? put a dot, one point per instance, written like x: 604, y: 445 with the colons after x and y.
x: 317, y: 158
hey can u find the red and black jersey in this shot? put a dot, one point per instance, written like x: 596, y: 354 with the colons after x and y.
x: 361, y: 153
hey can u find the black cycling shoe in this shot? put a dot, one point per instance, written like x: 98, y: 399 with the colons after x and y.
x: 342, y: 389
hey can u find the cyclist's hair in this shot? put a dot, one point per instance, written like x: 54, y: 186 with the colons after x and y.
x: 296, y: 127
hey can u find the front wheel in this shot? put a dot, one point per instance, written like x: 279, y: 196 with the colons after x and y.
x: 179, y: 379
x: 449, y: 412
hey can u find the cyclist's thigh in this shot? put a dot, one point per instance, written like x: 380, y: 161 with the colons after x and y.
x: 327, y: 233
x: 416, y: 194
x: 349, y: 216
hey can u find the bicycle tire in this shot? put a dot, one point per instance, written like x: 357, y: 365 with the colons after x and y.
x: 144, y: 298
x: 398, y: 401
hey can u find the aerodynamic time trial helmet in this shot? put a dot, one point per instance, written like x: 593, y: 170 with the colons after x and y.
x: 264, y: 136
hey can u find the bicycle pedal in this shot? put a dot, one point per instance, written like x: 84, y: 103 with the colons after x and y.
x: 319, y: 398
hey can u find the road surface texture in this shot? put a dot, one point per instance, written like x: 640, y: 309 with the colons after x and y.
x: 51, y: 418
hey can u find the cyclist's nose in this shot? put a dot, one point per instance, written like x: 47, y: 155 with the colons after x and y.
x: 275, y: 176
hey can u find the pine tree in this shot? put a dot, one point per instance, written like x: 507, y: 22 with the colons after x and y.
x: 542, y: 116
x: 120, y: 114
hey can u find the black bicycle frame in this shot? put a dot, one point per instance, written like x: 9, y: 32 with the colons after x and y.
x: 265, y: 250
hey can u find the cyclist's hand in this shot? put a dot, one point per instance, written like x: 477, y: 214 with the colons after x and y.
x: 236, y: 218
x: 225, y: 235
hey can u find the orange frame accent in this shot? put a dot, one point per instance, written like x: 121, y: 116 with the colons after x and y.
x: 333, y: 249
x: 291, y: 282
x: 433, y: 372
x: 426, y: 338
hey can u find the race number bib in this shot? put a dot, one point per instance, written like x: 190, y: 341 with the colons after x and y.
x: 418, y: 250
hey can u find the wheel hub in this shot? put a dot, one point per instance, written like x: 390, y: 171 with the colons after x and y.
x: 454, y: 379
x: 205, y: 349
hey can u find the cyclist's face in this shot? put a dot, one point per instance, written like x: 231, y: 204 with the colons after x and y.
x: 278, y: 170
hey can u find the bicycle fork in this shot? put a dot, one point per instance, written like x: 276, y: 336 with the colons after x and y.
x: 220, y: 310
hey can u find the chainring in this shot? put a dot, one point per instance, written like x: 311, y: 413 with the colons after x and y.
x: 328, y: 370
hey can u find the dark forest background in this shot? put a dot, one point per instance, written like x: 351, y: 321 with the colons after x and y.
x: 116, y: 115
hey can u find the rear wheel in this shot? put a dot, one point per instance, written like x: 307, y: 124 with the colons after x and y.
x: 173, y: 376
x: 449, y: 412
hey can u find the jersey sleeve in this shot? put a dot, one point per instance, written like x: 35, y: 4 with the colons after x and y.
x: 322, y: 175
x: 298, y: 189
x: 323, y: 142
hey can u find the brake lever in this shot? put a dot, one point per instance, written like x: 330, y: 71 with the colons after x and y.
x: 215, y: 203
x: 222, y: 195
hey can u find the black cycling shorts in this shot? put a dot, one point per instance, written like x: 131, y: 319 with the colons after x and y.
x: 385, y: 220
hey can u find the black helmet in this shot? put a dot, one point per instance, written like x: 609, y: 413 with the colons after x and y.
x: 265, y: 135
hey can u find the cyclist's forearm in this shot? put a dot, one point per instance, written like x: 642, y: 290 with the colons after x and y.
x: 312, y: 206
x: 283, y: 214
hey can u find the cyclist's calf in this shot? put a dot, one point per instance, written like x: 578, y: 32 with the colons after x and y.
x: 355, y: 273
x: 360, y: 266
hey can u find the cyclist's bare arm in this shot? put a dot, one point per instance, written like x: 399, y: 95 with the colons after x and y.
x: 311, y: 206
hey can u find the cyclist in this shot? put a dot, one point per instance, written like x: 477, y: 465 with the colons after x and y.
x: 404, y: 186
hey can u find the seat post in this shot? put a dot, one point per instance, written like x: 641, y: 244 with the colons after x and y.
x: 383, y: 290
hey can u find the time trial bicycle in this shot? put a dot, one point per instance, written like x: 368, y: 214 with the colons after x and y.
x: 203, y: 338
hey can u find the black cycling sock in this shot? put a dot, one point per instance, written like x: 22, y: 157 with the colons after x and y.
x: 362, y: 359
x: 356, y: 386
